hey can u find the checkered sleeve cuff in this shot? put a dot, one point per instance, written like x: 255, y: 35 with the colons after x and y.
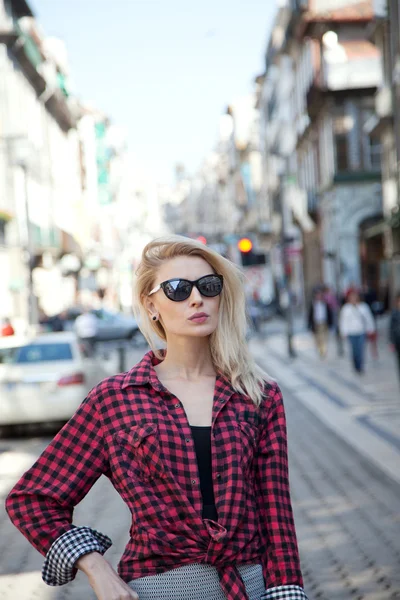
x: 59, y: 565
x: 285, y: 592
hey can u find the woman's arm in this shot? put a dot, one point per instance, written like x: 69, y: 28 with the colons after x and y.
x: 281, y: 563
x: 41, y: 504
x: 369, y: 319
x: 104, y: 581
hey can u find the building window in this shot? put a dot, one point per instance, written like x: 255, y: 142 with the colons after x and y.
x: 342, y: 125
x: 355, y: 149
x: 371, y: 146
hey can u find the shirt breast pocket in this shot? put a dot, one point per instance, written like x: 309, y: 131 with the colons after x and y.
x: 139, y: 452
x: 248, y: 434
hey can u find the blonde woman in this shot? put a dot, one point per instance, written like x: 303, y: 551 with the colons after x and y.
x: 194, y: 440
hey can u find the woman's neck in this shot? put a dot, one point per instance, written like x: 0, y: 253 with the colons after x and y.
x: 187, y: 359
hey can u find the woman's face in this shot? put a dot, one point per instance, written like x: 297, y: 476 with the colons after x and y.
x: 177, y: 317
x: 354, y: 298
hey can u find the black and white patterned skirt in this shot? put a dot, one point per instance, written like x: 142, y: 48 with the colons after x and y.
x: 195, y: 582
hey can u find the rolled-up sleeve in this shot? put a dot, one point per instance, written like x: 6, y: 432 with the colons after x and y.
x: 59, y: 565
x: 281, y: 562
x: 285, y: 592
x: 42, y: 502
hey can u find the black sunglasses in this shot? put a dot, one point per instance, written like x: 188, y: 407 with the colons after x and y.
x: 178, y: 290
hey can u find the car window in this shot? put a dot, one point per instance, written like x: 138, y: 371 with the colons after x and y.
x: 35, y: 353
x: 7, y: 355
x: 104, y: 315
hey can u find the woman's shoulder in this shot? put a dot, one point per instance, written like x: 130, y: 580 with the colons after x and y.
x: 138, y: 375
x: 108, y: 385
x: 272, y: 394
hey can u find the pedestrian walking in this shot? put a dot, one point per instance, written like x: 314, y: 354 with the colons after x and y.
x: 7, y: 329
x: 370, y: 297
x: 194, y: 440
x: 86, y: 330
x: 356, y: 322
x: 394, y: 329
x: 320, y: 320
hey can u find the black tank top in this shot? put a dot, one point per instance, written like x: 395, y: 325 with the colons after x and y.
x: 202, y: 444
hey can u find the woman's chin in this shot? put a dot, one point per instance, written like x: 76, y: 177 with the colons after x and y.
x: 199, y: 331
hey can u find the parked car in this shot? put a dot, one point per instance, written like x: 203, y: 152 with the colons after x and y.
x: 110, y: 325
x: 114, y: 326
x: 44, y: 378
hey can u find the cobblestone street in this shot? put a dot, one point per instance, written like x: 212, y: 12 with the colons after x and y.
x: 346, y: 509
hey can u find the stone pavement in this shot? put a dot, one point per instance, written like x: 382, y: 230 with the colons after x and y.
x: 363, y: 410
x: 346, y: 511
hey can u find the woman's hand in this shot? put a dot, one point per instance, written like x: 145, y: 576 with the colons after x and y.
x: 105, y: 582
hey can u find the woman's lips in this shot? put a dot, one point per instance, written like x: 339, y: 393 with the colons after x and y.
x: 199, y: 318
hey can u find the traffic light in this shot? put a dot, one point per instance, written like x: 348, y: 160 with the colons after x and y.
x: 245, y: 245
x: 247, y: 254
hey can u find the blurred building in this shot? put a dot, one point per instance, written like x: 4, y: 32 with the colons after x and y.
x: 65, y: 185
x: 221, y: 202
x: 39, y: 174
x: 385, y: 33
x: 318, y: 103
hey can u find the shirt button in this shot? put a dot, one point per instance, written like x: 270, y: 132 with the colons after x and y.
x: 177, y: 405
x: 218, y: 475
x: 193, y: 482
x: 187, y: 440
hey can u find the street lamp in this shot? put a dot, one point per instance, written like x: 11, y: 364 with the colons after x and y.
x: 20, y: 154
x: 286, y: 267
x: 283, y: 208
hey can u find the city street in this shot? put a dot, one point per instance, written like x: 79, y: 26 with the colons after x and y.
x: 346, y: 505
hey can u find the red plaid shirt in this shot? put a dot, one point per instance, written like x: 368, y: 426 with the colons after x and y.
x: 133, y: 430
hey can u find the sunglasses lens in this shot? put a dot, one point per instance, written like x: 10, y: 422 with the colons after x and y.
x: 178, y: 290
x: 210, y: 286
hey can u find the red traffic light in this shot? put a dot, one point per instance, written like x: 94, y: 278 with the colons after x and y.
x: 245, y: 245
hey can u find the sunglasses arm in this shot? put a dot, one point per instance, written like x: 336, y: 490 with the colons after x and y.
x: 154, y: 290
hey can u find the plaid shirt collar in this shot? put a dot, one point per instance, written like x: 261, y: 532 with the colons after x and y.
x: 144, y: 373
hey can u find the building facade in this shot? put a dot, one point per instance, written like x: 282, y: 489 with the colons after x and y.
x: 322, y: 74
x: 386, y: 127
x: 62, y: 167
x: 38, y: 194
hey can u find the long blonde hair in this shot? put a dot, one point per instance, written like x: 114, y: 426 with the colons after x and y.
x: 229, y: 351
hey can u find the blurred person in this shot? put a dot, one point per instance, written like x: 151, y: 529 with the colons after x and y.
x: 335, y: 302
x: 394, y: 329
x: 194, y: 440
x: 356, y: 322
x: 320, y: 320
x: 254, y: 311
x: 6, y: 328
x: 330, y: 298
x: 86, y: 329
x: 370, y: 298
x: 352, y: 287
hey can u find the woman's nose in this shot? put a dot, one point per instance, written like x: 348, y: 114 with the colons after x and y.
x: 195, y: 297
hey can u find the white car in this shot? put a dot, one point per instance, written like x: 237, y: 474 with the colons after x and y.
x: 44, y: 378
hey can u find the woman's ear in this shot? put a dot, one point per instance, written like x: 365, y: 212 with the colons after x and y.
x: 149, y: 306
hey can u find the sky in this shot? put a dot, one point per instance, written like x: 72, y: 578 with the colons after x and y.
x: 164, y: 70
